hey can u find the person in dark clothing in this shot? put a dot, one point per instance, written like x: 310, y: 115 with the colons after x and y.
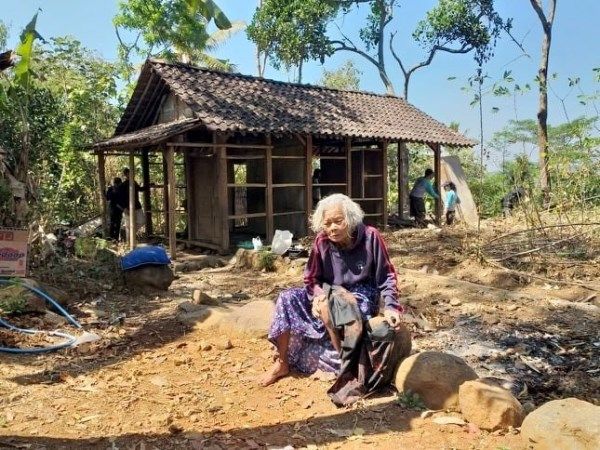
x: 512, y: 199
x: 421, y: 187
x: 316, y: 190
x: 114, y: 209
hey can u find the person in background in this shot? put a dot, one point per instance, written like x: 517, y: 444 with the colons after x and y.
x: 450, y: 202
x: 421, y: 187
x: 512, y: 199
x: 114, y: 209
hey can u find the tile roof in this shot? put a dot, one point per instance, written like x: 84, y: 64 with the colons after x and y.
x: 147, y: 136
x: 234, y: 102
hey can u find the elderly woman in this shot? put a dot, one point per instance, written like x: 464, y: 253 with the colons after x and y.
x: 345, y: 253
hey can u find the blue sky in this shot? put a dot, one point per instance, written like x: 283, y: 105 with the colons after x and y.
x: 576, y: 36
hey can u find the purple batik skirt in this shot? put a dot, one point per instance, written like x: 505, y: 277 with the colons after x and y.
x: 310, y: 348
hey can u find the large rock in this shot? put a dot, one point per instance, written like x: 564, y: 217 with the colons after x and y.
x: 435, y: 376
x: 567, y: 423
x: 252, y: 319
x: 489, y: 406
x: 158, y: 277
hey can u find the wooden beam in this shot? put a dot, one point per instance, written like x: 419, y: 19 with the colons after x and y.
x: 139, y: 103
x: 362, y: 173
x: 349, y: 166
x: 209, y: 145
x: 402, y: 179
x: 132, y: 197
x: 222, y: 191
x: 146, y: 191
x: 384, y: 180
x: 269, y: 187
x: 170, y: 158
x: 102, y: 184
x: 308, y: 206
x: 437, y: 162
x: 165, y: 187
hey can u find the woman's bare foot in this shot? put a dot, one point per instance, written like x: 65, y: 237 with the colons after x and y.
x: 279, y: 370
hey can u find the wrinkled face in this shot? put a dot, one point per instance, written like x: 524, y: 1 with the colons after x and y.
x: 335, y: 226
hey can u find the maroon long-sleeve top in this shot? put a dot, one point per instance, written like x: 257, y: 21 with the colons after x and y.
x: 365, y: 261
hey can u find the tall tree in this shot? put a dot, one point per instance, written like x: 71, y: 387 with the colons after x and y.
x: 295, y: 31
x: 347, y: 77
x: 292, y: 32
x: 546, y: 20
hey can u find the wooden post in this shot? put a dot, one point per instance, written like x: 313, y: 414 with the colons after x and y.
x: 132, y: 198
x: 349, y: 166
x: 102, y: 183
x: 170, y: 157
x: 402, y: 176
x: 165, y: 192
x: 269, y: 187
x: 308, y: 206
x: 362, y: 173
x: 222, y: 192
x: 384, y: 181
x: 146, y: 191
x: 437, y: 162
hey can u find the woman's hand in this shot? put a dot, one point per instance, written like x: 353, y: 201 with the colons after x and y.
x: 317, y: 304
x: 392, y: 317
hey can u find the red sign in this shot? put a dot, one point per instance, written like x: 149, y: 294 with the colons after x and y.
x: 13, y: 252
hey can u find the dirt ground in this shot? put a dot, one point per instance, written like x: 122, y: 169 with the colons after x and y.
x: 153, y: 382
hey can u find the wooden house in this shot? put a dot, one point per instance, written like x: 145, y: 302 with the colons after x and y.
x: 248, y: 148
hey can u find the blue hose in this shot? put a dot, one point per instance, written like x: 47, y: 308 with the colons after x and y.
x: 70, y: 340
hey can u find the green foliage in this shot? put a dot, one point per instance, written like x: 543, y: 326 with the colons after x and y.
x: 266, y: 261
x: 292, y: 31
x: 3, y: 35
x: 411, y: 400
x: 470, y: 24
x: 173, y: 30
x: 347, y: 77
x: 12, y: 300
x: 87, y: 247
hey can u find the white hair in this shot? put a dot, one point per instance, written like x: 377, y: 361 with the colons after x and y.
x: 351, y: 210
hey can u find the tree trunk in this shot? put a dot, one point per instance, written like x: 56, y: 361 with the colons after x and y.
x: 542, y: 115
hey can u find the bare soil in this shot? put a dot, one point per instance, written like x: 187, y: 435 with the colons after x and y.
x: 148, y: 384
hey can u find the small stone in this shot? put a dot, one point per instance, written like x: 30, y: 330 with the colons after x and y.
x: 512, y: 307
x: 455, y: 302
x: 202, y: 298
x: 224, y: 344
x: 204, y: 346
x: 188, y: 307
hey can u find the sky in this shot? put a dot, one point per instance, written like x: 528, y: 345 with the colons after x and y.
x: 574, y: 53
